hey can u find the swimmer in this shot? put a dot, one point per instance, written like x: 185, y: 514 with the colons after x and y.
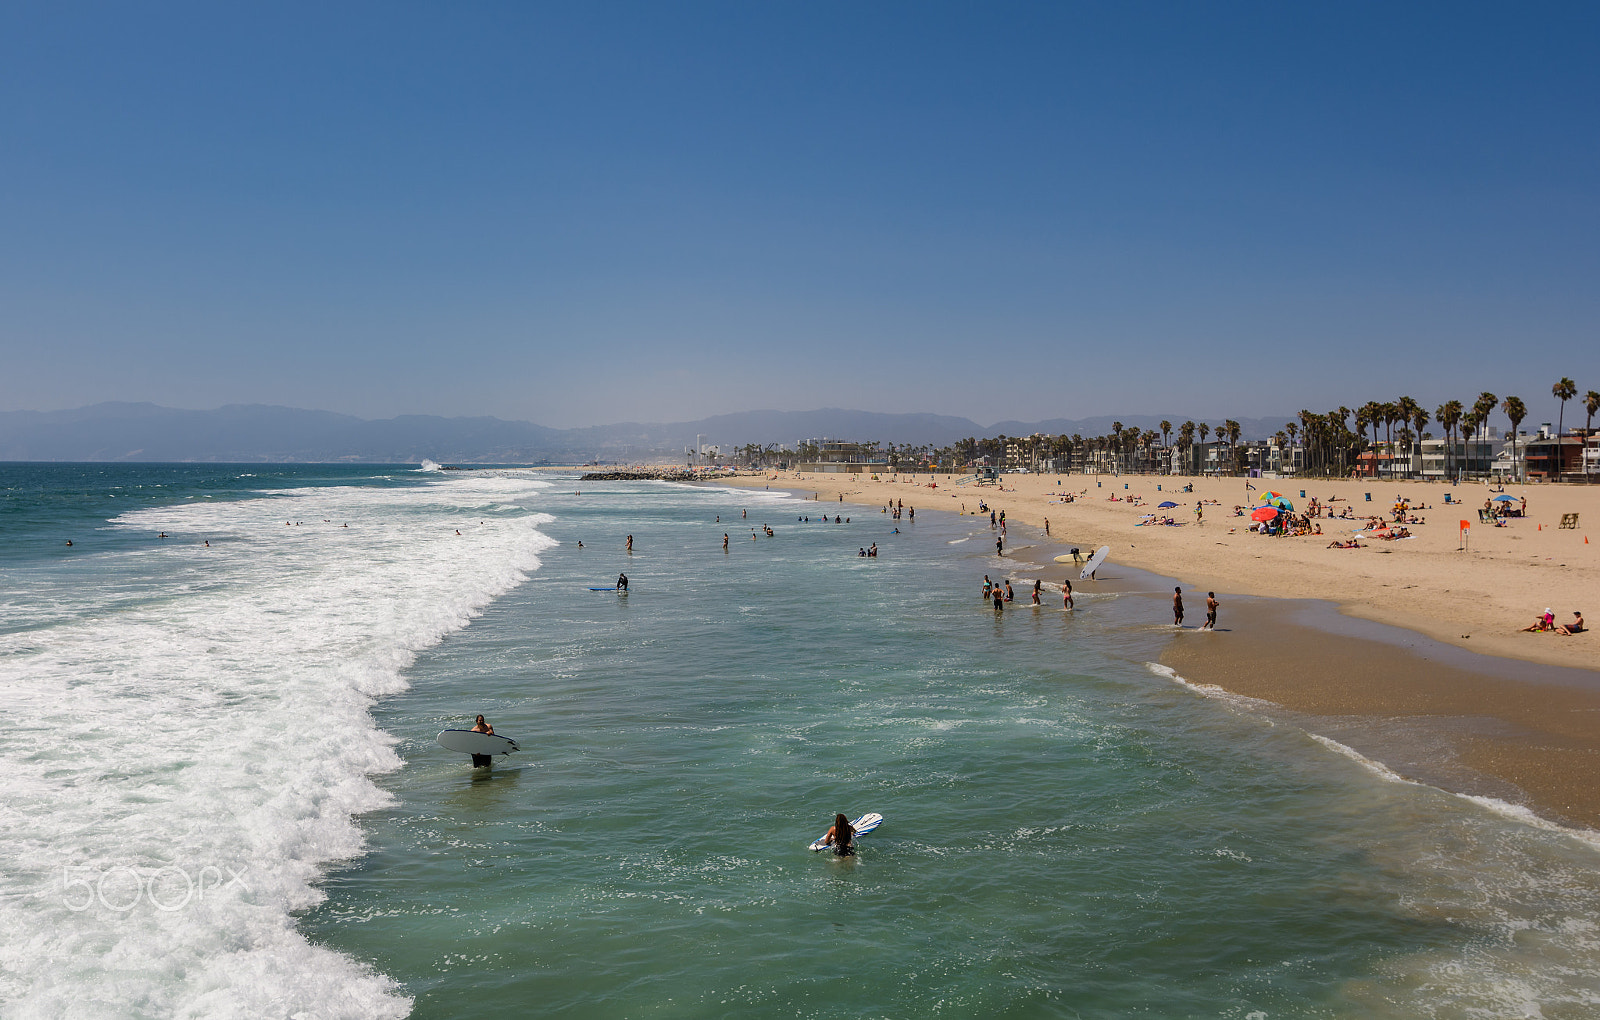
x: 630, y: 543
x: 841, y: 837
x: 724, y: 540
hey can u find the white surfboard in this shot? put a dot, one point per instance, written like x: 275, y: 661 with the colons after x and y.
x: 473, y: 742
x: 863, y: 825
x: 1095, y: 561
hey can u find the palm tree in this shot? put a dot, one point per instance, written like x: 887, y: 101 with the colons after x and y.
x: 1231, y: 427
x: 1516, y: 410
x: 1205, y: 430
x: 1564, y: 390
x: 1419, y: 421
x: 1448, y: 415
x: 1166, y: 441
x: 1591, y: 404
x: 1186, y: 440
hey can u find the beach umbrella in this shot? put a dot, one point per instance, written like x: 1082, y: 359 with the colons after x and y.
x: 1269, y: 494
x: 1505, y: 499
x: 1264, y: 513
x: 1282, y: 504
x: 1163, y: 506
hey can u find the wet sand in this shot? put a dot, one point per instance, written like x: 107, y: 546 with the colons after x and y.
x: 1524, y: 733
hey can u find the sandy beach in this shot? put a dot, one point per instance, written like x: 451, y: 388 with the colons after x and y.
x: 1469, y: 702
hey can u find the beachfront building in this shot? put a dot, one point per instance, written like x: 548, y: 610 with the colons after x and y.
x: 1550, y: 458
x: 834, y: 456
x: 1445, y: 460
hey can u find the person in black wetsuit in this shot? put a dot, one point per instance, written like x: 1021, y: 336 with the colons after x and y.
x: 841, y: 837
x: 622, y: 582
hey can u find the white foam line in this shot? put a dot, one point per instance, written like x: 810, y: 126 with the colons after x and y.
x: 220, y: 720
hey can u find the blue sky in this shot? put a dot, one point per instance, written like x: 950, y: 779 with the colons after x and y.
x: 591, y: 213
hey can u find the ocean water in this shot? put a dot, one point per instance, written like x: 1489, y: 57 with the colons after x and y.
x: 222, y: 798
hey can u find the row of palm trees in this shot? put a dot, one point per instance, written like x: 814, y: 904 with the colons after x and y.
x: 1329, y: 442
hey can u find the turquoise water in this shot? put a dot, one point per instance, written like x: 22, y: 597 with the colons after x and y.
x: 1069, y: 833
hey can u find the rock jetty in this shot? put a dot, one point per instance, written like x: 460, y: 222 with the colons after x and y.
x: 668, y: 474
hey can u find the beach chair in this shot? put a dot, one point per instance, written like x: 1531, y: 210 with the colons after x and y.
x: 1485, y: 516
x: 1569, y: 521
x: 1447, y: 498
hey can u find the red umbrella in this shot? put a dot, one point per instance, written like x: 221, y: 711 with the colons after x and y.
x: 1264, y: 513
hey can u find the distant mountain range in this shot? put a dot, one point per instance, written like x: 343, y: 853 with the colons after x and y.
x: 256, y: 433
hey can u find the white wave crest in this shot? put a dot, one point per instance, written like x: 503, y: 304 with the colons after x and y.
x: 187, y: 743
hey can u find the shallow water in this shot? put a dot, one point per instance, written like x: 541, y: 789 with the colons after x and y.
x: 1069, y: 832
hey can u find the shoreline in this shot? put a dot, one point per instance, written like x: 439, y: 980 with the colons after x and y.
x: 1477, y: 599
x: 1447, y: 714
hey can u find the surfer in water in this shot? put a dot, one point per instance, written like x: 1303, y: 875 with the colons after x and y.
x: 622, y: 582
x: 480, y: 761
x: 841, y: 837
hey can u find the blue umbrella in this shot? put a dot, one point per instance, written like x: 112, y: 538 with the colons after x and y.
x: 1163, y: 506
x: 1505, y: 499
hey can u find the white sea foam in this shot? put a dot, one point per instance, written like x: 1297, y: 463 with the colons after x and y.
x: 185, y: 749
x: 1208, y: 690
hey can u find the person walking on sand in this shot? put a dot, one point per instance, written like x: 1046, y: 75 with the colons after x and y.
x: 1199, y: 513
x: 1177, y: 606
x: 1211, y: 611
